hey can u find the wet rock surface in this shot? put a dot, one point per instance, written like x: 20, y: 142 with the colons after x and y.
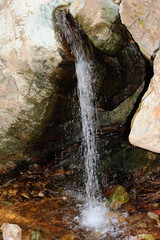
x: 117, y: 197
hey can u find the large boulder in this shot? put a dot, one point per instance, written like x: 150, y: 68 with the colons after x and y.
x: 36, y: 82
x: 28, y: 59
x: 142, y: 20
x: 100, y: 21
x: 145, y: 129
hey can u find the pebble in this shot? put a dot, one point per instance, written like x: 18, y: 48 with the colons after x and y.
x: 40, y: 194
x: 145, y: 237
x: 152, y: 215
x: 7, y: 202
x: 68, y: 236
x: 64, y: 198
x: 11, y: 232
x: 36, y: 234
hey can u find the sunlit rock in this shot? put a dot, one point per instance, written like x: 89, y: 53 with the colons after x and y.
x: 100, y: 20
x: 145, y: 127
x: 142, y: 20
x: 117, y: 1
x: 28, y: 59
x: 34, y: 92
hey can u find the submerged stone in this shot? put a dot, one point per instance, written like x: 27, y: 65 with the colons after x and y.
x: 68, y: 236
x: 36, y: 234
x: 118, y: 196
x: 145, y: 237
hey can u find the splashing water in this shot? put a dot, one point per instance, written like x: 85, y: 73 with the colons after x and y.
x: 99, y: 219
x: 93, y: 213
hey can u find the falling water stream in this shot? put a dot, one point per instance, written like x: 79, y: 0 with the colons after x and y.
x: 93, y: 213
x: 86, y: 99
x: 87, y: 109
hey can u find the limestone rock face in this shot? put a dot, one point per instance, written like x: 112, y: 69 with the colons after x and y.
x: 100, y: 20
x: 28, y: 59
x: 145, y: 130
x: 142, y: 20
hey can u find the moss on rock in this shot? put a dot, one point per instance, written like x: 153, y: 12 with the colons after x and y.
x: 117, y: 197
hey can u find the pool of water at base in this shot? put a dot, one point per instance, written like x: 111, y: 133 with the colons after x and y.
x: 58, y: 216
x: 43, y: 199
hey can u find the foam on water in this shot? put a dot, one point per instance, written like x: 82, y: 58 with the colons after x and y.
x: 99, y: 219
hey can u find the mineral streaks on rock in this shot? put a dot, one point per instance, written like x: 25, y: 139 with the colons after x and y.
x: 142, y: 20
x: 145, y: 130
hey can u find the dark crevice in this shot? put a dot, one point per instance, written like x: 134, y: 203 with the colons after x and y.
x: 118, y: 78
x: 149, y: 75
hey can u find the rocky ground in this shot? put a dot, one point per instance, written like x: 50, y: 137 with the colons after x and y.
x: 42, y: 200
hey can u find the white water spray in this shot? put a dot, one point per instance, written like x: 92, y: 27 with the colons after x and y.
x: 94, y: 215
x: 86, y: 99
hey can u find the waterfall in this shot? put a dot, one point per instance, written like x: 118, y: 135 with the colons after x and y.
x: 87, y: 109
x: 86, y: 99
x: 94, y: 215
